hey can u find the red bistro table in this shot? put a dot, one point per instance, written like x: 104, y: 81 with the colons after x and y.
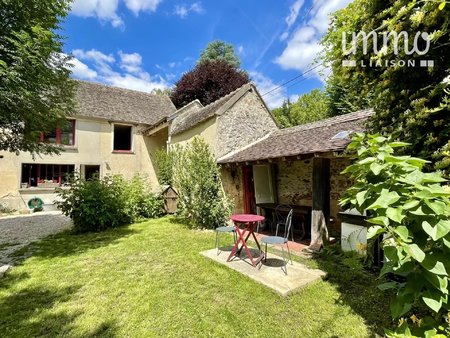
x: 249, y: 223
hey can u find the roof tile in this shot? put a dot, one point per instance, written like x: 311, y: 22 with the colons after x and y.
x: 316, y: 137
x: 121, y: 105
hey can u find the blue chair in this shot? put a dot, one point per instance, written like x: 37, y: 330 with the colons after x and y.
x: 278, y: 240
x: 222, y: 230
x: 281, y: 219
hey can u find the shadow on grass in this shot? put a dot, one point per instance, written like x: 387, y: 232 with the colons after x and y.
x: 29, y: 313
x: 68, y: 243
x: 357, y: 287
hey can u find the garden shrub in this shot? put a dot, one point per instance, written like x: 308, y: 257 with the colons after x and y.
x: 164, y: 163
x: 411, y: 209
x: 111, y: 201
x: 201, y: 199
x: 140, y: 202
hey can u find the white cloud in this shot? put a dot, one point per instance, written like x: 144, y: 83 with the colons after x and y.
x: 183, y: 10
x: 196, y: 7
x: 264, y: 84
x: 301, y: 50
x: 320, y: 13
x: 293, y: 12
x: 101, y: 61
x: 294, y: 97
x: 82, y: 71
x: 125, y: 73
x: 304, y: 45
x: 93, y: 55
x: 137, y: 6
x: 240, y: 50
x: 104, y: 10
x: 130, y: 62
x: 284, y: 36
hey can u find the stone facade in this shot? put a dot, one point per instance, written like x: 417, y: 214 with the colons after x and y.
x: 293, y: 183
x: 243, y: 123
x: 232, y: 182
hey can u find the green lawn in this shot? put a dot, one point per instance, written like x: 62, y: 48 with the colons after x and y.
x: 148, y: 279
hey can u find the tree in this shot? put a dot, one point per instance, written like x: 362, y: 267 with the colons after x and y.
x: 283, y: 114
x: 207, y: 82
x: 309, y: 107
x: 411, y: 102
x: 36, y: 92
x: 162, y: 91
x: 196, y: 176
x: 220, y: 51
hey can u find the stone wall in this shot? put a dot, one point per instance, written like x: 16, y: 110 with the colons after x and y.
x: 232, y: 182
x: 294, y: 182
x: 245, y: 122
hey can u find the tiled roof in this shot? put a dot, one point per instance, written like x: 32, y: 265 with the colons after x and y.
x: 121, y: 105
x: 185, y: 121
x: 316, y: 137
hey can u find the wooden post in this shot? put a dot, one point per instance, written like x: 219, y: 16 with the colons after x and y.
x: 321, y: 202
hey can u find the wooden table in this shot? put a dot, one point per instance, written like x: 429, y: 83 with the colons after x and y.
x: 249, y: 223
x: 303, y: 212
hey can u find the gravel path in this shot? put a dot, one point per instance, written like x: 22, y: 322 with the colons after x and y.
x: 19, y: 231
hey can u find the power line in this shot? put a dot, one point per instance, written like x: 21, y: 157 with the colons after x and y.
x: 293, y: 79
x: 274, y: 91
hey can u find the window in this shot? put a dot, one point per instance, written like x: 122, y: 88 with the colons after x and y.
x: 45, y: 175
x: 67, y: 133
x: 342, y: 135
x: 63, y: 135
x: 91, y: 172
x: 122, y: 138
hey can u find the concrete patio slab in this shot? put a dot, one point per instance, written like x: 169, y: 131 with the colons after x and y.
x: 270, y: 273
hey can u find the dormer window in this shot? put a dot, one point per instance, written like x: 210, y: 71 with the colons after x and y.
x: 123, y: 138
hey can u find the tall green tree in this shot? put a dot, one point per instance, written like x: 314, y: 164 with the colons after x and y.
x: 283, y: 114
x: 36, y: 92
x: 220, y: 51
x: 309, y: 107
x: 411, y: 102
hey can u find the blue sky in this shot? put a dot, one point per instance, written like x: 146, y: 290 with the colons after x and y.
x: 146, y: 44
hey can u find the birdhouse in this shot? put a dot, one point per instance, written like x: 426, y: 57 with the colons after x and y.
x: 170, y: 199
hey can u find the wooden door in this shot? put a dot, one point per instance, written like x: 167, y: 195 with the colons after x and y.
x: 249, y: 190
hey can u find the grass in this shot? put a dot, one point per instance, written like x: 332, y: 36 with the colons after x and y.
x: 148, y: 279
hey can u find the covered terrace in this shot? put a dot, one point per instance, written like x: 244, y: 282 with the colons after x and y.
x: 298, y: 166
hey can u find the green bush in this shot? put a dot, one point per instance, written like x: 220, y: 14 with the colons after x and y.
x: 111, y: 201
x: 412, y: 210
x: 140, y: 202
x: 201, y: 199
x: 164, y: 163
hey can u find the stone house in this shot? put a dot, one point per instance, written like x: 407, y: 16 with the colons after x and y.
x: 297, y: 166
x: 263, y: 165
x: 104, y: 136
x: 117, y: 131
